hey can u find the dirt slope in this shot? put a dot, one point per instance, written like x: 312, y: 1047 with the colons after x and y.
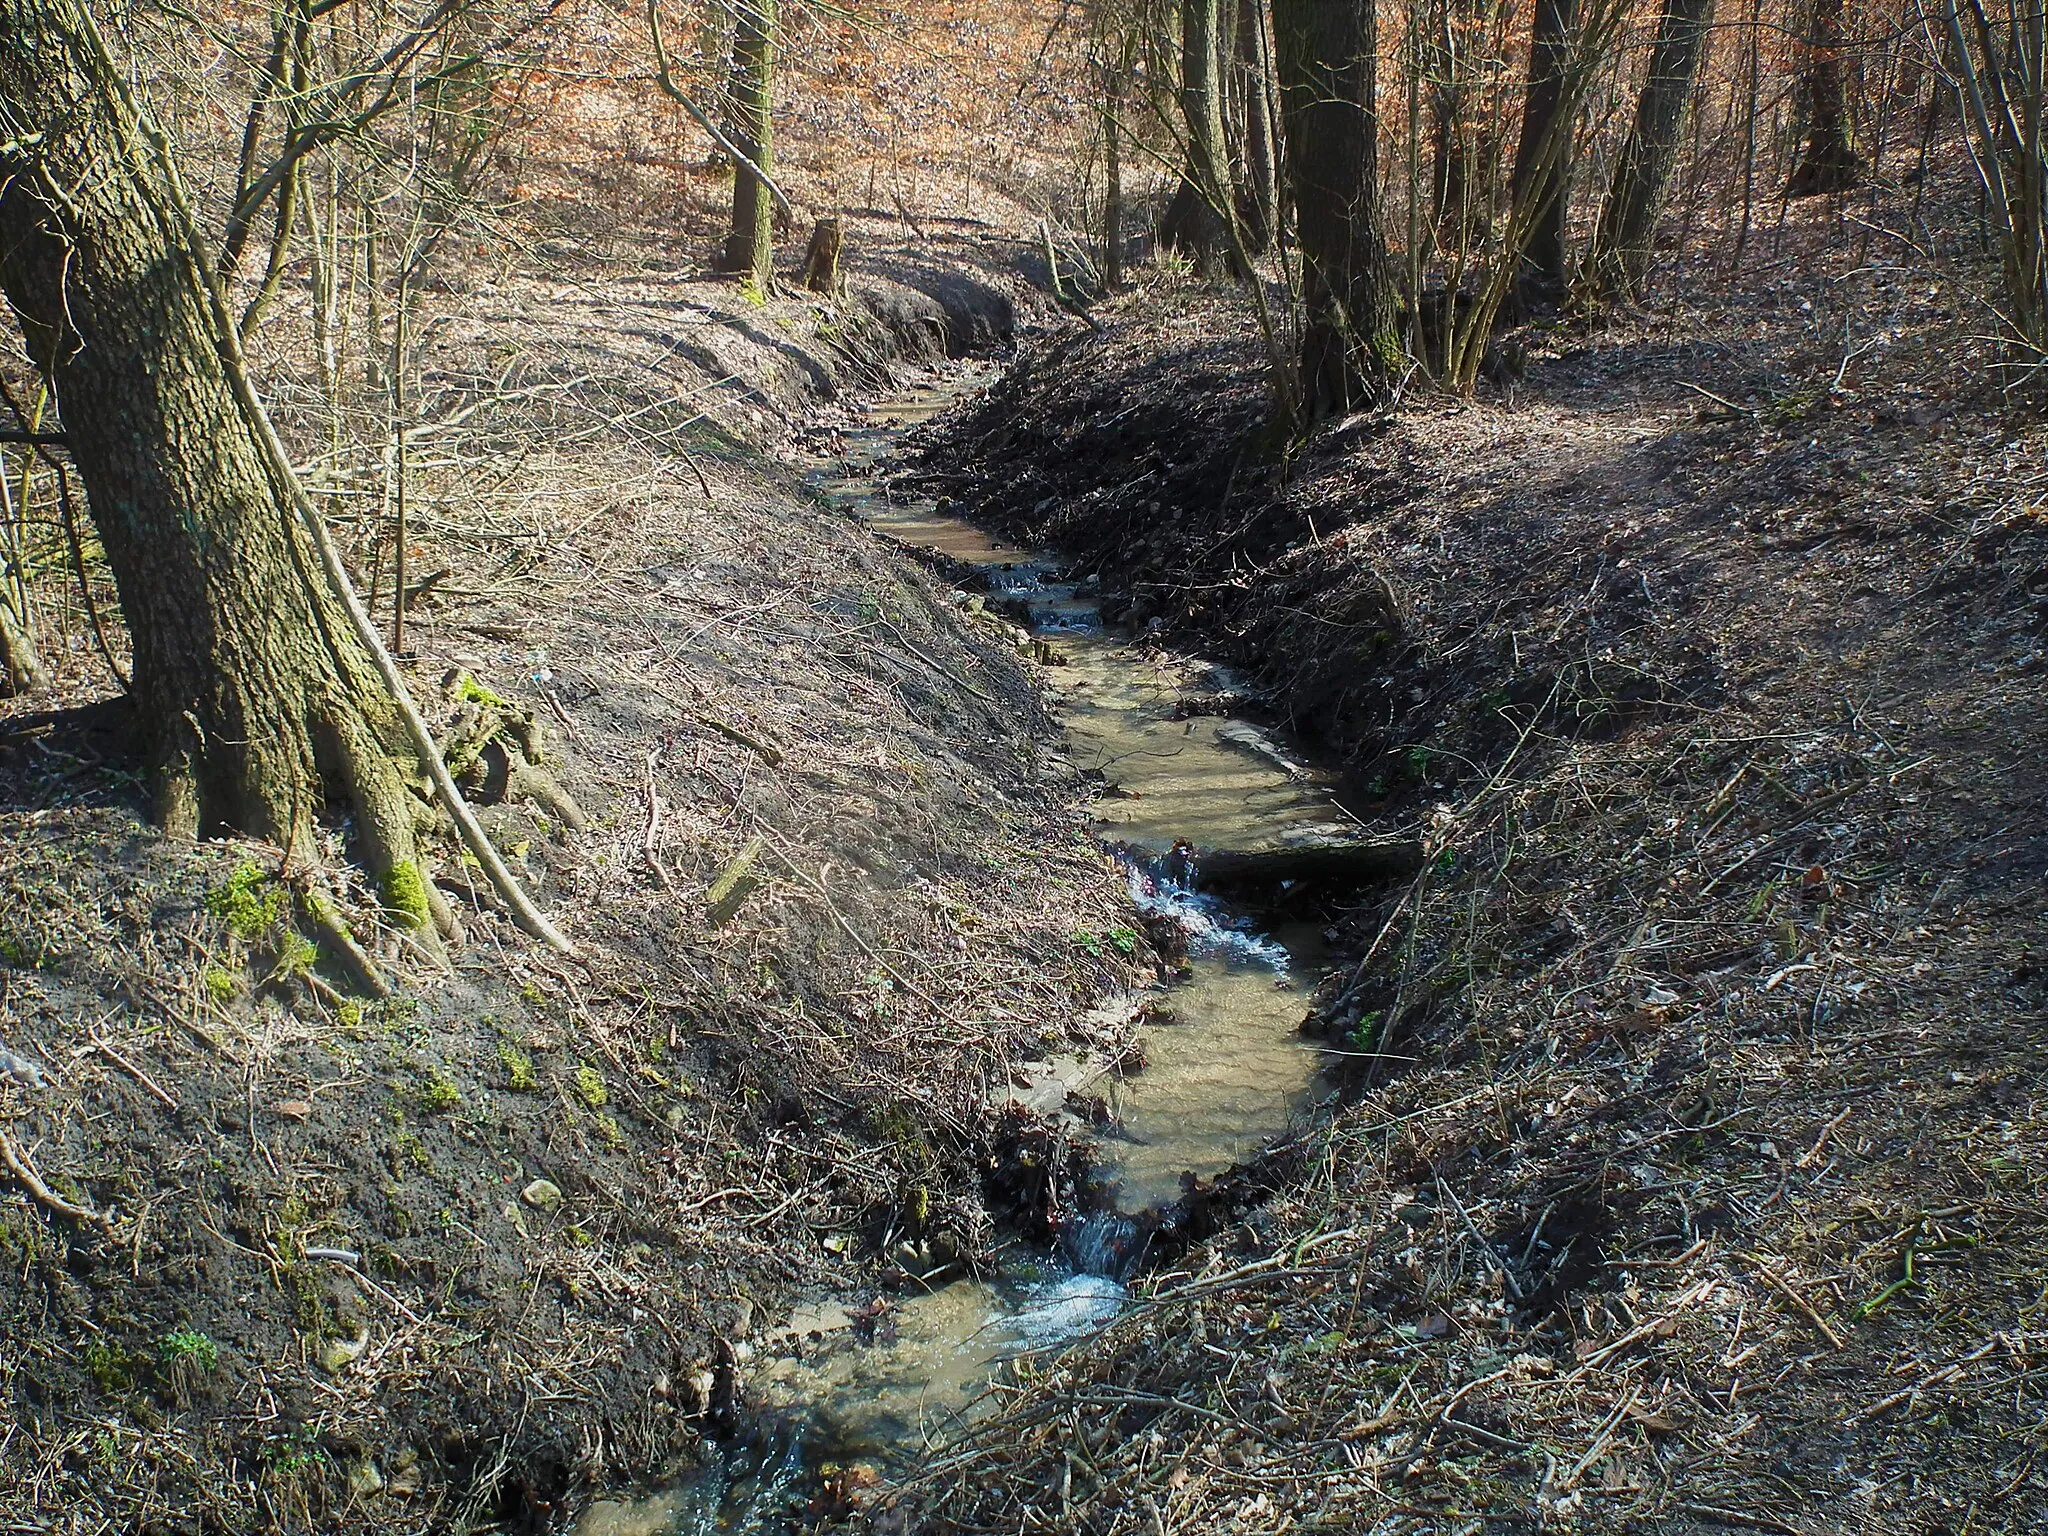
x: 467, y: 1251
x: 1693, y: 1178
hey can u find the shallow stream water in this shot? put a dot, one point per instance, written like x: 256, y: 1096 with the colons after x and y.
x: 1227, y: 1067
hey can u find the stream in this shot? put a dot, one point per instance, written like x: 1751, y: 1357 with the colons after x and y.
x: 1227, y: 1068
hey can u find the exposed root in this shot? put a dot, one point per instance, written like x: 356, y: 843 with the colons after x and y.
x: 319, y: 914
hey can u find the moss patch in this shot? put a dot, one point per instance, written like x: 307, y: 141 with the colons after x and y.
x: 404, y: 892
x: 250, y: 904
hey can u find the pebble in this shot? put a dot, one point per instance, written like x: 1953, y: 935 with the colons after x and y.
x: 20, y: 1069
x: 542, y: 1194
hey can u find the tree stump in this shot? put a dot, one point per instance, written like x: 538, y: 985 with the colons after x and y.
x: 821, y: 257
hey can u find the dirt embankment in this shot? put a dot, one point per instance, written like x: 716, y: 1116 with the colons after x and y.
x: 1694, y: 1177
x: 465, y: 1252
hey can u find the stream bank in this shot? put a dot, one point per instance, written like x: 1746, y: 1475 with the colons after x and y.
x: 1712, y: 1011
x: 1119, y: 1160
x: 466, y: 1254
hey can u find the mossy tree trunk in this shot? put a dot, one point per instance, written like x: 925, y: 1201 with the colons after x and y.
x: 259, y: 706
x: 1625, y: 238
x: 1350, y: 345
x: 750, y: 247
x: 21, y: 665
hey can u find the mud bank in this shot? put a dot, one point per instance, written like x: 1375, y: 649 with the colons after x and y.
x: 282, y: 1256
x: 1690, y: 1178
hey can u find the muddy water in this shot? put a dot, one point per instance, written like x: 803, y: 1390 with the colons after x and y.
x: 1227, y: 1068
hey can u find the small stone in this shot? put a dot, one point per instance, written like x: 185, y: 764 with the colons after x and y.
x: 364, y: 1480
x: 542, y: 1194
x: 337, y: 1355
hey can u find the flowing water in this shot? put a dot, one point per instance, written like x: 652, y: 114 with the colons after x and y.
x: 1227, y: 1067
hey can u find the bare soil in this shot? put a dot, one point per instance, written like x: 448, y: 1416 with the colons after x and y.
x: 1692, y: 1175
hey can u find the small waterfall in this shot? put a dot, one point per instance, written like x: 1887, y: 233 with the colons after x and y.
x: 1165, y: 887
x: 1104, y: 1243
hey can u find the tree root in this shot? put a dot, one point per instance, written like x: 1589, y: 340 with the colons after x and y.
x: 319, y: 914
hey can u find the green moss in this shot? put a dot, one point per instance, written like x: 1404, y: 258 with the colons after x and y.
x: 439, y: 1095
x: 351, y: 1013
x: 519, y: 1073
x: 220, y: 984
x: 470, y: 691
x: 407, y: 1152
x: 250, y: 904
x: 405, y: 894
x: 590, y: 1087
x: 191, y: 1346
x: 295, y: 954
x: 111, y: 1367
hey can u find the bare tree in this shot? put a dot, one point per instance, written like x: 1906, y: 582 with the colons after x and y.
x: 750, y: 246
x: 1258, y: 192
x: 1624, y: 238
x: 1543, y: 161
x: 1197, y: 217
x: 1999, y: 60
x: 1326, y: 50
x: 262, y: 691
x: 1830, y: 162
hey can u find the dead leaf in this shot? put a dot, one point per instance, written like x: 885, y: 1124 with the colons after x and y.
x: 1655, y: 1420
x: 292, y: 1109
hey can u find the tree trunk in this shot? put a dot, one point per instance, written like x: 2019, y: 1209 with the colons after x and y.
x: 1112, y: 182
x: 1258, y: 206
x: 257, y: 701
x: 21, y: 667
x: 750, y: 247
x: 821, y: 257
x: 1830, y: 163
x: 1194, y: 219
x: 1543, y: 159
x: 1450, y: 176
x: 1623, y: 242
x: 1326, y: 51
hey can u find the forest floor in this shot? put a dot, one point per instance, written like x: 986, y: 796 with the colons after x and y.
x: 1691, y: 1171
x: 1692, y: 1174
x: 468, y: 1252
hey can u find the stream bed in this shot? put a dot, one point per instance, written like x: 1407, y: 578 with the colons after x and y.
x: 1227, y: 1068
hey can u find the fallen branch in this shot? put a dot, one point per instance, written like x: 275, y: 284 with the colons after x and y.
x: 48, y: 1198
x: 134, y: 1071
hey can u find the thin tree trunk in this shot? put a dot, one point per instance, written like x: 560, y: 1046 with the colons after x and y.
x: 1625, y: 237
x: 1543, y: 157
x: 257, y: 701
x: 750, y: 247
x: 1830, y: 162
x: 1194, y: 219
x: 241, y: 218
x: 1449, y: 173
x: 21, y: 663
x: 1258, y: 210
x: 1113, y: 181
x: 1326, y: 51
